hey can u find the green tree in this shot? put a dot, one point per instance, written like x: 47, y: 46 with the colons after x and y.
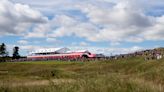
x: 16, y: 52
x: 3, y: 51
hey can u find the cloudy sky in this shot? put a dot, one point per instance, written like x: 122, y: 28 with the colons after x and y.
x: 104, y: 26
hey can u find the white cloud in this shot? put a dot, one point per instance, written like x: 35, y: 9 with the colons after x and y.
x: 83, y: 44
x: 23, y: 48
x: 17, y: 18
x: 120, y: 23
x: 113, y: 21
x: 30, y: 47
x: 108, y: 51
x: 51, y: 40
x: 68, y: 26
x: 107, y: 20
x: 156, y: 32
x: 22, y: 42
x: 123, y: 22
x: 39, y: 31
x: 114, y: 43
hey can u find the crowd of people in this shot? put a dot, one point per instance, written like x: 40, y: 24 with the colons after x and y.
x: 150, y: 54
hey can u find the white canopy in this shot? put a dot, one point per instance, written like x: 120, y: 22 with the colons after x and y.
x: 58, y: 50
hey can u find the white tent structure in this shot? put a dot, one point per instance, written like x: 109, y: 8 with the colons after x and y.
x: 50, y: 50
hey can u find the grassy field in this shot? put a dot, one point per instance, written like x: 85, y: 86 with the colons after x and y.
x: 123, y: 75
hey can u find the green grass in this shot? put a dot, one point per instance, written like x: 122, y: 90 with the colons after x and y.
x: 46, y: 62
x: 123, y: 75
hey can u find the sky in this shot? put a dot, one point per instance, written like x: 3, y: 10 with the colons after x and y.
x: 100, y: 26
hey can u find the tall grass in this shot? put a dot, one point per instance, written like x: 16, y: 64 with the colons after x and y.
x: 123, y: 75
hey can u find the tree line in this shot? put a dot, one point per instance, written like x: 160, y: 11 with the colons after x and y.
x: 4, y: 54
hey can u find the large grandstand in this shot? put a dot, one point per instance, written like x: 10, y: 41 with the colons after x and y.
x: 59, y: 53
